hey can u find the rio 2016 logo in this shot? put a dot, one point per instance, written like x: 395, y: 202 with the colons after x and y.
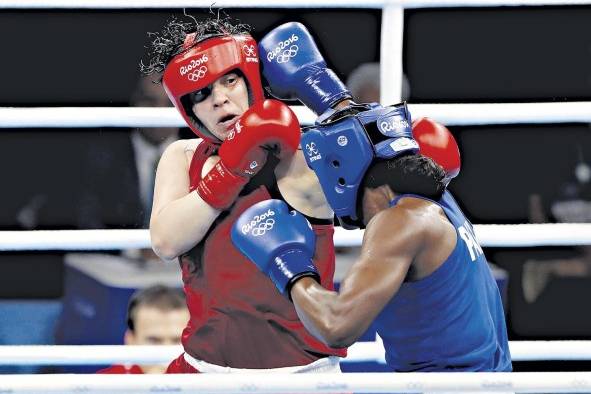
x: 285, y: 50
x: 194, y: 64
x: 393, y: 124
x: 197, y: 74
x: 259, y: 224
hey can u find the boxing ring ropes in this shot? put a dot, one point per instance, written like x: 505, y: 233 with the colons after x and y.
x: 524, y: 235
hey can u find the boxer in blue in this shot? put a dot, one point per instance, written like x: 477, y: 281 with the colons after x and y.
x: 421, y: 274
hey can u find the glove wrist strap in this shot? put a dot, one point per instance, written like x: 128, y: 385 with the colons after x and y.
x: 220, y: 187
x: 290, y: 266
x: 323, y: 90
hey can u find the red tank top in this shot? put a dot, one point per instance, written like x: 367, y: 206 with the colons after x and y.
x: 238, y: 319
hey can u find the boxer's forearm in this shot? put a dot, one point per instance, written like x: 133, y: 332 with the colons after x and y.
x: 180, y: 225
x: 179, y: 219
x: 326, y: 315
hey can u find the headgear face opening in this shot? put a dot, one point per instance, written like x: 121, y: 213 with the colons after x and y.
x: 202, y: 64
x: 341, y: 146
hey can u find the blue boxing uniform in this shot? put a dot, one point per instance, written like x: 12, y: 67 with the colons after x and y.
x: 441, y: 317
x: 420, y: 325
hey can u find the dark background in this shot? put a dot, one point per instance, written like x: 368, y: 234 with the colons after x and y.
x: 78, y: 178
x: 90, y: 58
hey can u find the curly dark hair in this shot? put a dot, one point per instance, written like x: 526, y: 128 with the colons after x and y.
x: 411, y: 173
x: 168, y: 42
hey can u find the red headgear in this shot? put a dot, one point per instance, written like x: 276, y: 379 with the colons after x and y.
x: 202, y: 64
x: 438, y: 143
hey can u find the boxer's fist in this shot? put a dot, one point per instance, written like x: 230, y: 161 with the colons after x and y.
x: 294, y: 68
x: 281, y: 243
x: 438, y: 143
x: 267, y: 124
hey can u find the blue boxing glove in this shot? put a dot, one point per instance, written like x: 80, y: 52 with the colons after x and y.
x: 294, y: 68
x: 281, y: 243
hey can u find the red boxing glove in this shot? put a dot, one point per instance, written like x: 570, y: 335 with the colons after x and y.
x: 438, y: 143
x: 269, y: 124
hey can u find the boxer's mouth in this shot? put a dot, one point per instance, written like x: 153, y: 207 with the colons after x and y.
x: 227, y: 121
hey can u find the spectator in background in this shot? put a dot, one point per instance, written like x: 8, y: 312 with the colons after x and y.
x: 573, y: 205
x: 149, y: 142
x: 156, y: 315
x: 364, y: 84
x: 116, y: 180
x: 116, y: 168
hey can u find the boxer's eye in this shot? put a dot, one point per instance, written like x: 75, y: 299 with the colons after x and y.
x: 200, y: 95
x: 230, y: 79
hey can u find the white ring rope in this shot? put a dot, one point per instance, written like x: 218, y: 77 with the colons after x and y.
x: 418, y: 382
x: 391, y: 54
x: 448, y: 114
x: 489, y: 235
x: 74, y: 240
x: 131, y: 4
x: 358, y: 352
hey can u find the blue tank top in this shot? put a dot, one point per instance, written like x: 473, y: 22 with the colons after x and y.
x: 453, y: 319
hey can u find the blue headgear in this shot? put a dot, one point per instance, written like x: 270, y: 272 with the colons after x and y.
x: 342, y: 145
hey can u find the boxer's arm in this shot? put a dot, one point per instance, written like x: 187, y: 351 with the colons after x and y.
x: 299, y: 186
x: 339, y: 319
x: 179, y: 219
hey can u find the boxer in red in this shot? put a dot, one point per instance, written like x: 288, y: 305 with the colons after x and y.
x: 247, y: 151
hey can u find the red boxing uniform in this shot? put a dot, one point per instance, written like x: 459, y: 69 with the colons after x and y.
x: 237, y: 317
